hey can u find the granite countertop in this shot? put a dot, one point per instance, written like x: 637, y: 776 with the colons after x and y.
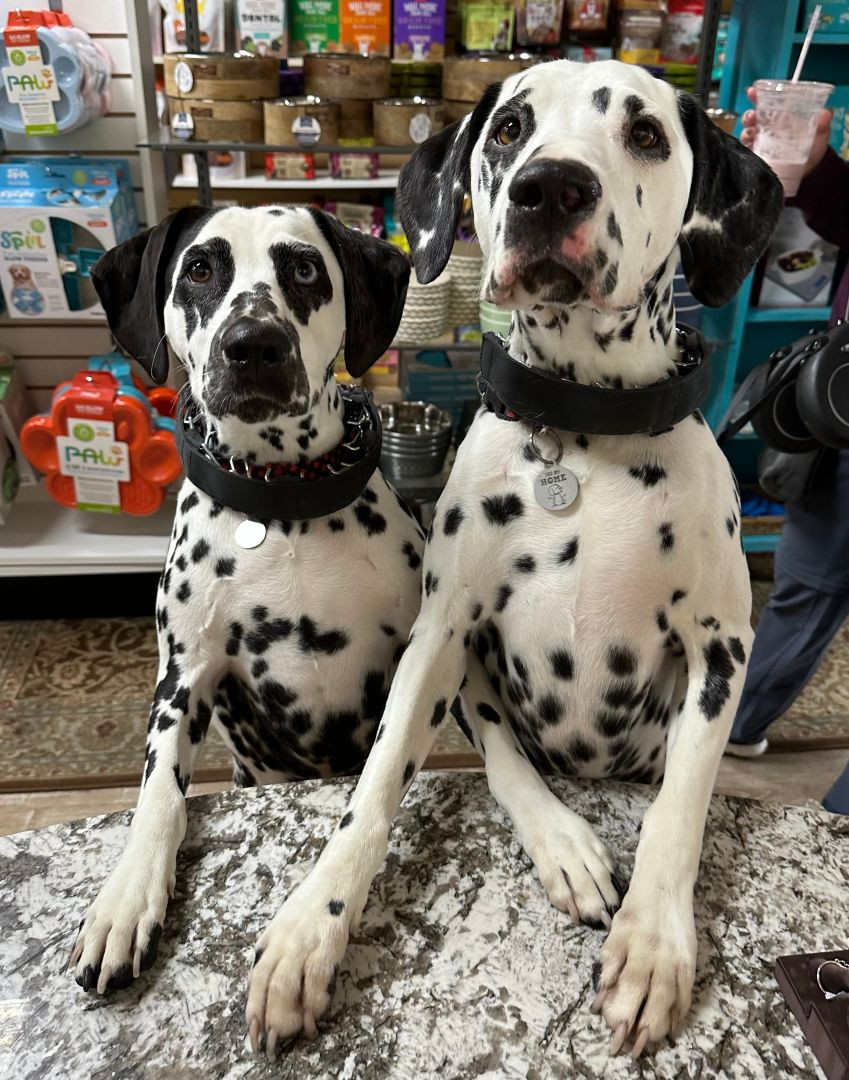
x: 461, y: 967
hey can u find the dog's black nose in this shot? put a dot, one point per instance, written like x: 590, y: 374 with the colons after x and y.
x: 555, y: 192
x: 250, y: 341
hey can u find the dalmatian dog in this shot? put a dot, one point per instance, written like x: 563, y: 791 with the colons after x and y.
x: 606, y: 640
x: 288, y: 648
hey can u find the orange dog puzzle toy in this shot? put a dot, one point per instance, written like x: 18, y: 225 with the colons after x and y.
x: 106, y: 444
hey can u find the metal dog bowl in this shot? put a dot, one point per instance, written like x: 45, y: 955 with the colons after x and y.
x: 416, y: 437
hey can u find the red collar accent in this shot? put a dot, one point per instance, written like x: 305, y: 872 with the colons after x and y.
x: 311, y: 470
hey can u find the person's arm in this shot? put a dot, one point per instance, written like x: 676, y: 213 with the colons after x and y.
x: 823, y: 198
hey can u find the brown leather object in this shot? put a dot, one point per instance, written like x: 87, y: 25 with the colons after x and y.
x: 825, y: 1024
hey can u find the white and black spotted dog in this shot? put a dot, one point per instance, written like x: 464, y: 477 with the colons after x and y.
x: 289, y: 648
x: 606, y: 641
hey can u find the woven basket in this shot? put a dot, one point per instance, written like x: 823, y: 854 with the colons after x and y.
x: 465, y: 267
x: 425, y: 311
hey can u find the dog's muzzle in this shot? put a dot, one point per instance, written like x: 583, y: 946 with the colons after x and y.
x: 255, y: 349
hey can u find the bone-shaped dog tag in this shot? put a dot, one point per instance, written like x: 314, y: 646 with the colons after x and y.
x: 556, y: 488
x: 250, y: 534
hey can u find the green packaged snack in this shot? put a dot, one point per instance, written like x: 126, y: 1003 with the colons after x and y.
x: 315, y: 26
x: 487, y: 26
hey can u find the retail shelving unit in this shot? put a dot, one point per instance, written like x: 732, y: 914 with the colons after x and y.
x: 763, y: 43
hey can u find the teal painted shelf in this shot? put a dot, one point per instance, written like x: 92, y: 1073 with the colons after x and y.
x: 811, y: 315
x: 823, y: 39
x: 761, y: 542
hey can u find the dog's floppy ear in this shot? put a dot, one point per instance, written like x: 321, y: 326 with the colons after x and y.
x: 432, y: 184
x: 735, y: 200
x: 375, y: 274
x: 130, y: 281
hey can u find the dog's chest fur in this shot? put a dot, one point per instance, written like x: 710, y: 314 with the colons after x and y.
x: 301, y: 635
x: 580, y: 615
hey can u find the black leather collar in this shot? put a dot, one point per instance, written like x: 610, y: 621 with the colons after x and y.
x: 271, y: 497
x: 514, y: 391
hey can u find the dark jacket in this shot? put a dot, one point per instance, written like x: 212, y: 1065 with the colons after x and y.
x: 823, y: 198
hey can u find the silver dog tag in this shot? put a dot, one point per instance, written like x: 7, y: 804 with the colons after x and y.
x: 250, y: 534
x: 556, y: 488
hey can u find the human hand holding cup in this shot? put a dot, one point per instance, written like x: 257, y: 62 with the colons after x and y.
x: 789, y: 130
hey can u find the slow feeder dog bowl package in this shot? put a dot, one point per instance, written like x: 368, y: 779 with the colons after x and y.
x: 55, y: 77
x: 57, y: 217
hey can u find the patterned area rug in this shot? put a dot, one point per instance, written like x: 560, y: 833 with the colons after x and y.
x: 74, y: 698
x: 74, y: 701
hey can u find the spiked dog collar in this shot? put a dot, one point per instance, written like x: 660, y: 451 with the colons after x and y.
x: 282, y: 490
x: 512, y: 390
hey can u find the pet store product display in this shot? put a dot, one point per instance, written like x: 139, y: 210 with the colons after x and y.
x: 538, y: 22
x: 425, y: 310
x: 57, y: 217
x: 416, y: 438
x: 465, y: 78
x: 55, y: 77
x: 800, y: 265
x: 107, y: 444
x: 342, y: 76
x: 224, y: 165
x: 313, y: 27
x: 465, y: 267
x: 210, y: 21
x: 365, y: 28
x: 219, y: 96
x: 419, y: 30
x: 261, y: 27
x: 487, y: 26
x: 301, y: 121
x: 14, y: 410
x: 402, y: 121
x: 283, y: 166
x: 354, y: 166
x: 221, y: 76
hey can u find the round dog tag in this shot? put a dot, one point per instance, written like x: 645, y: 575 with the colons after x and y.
x: 250, y: 534
x: 556, y: 488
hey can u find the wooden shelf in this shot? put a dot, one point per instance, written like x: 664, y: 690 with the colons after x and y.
x: 258, y: 182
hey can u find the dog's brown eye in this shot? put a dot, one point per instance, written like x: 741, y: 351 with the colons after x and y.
x: 508, y: 132
x: 200, y: 272
x: 306, y: 273
x: 644, y: 135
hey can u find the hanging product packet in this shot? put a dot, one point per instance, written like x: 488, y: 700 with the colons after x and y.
x: 261, y: 27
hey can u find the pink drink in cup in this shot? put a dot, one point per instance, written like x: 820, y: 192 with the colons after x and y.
x: 787, y: 120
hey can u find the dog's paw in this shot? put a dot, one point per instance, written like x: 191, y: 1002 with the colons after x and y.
x: 647, y: 974
x: 119, y: 937
x: 574, y: 866
x: 296, y: 959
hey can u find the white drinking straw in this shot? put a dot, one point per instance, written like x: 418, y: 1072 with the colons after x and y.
x: 806, y: 44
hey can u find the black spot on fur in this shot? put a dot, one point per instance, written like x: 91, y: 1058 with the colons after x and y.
x: 413, y: 558
x: 737, y: 650
x: 225, y: 567
x: 346, y: 820
x: 651, y: 473
x: 234, y: 640
x: 487, y: 712
x: 502, y: 509
x: 453, y: 521
x: 569, y: 552
x: 200, y: 551
x: 525, y: 564
x: 639, y: 194
x: 336, y: 524
x: 438, y: 714
x: 409, y: 769
x: 580, y: 749
x: 151, y: 764
x: 621, y: 660
x: 370, y: 520
x: 662, y: 621
x: 504, y: 594
x: 336, y: 907
x: 190, y: 501
x: 613, y: 230
x: 730, y: 525
x: 679, y: 594
x: 561, y: 664
x: 431, y: 583
x: 549, y: 709
x: 184, y: 592
x: 601, y: 98
x: 717, y: 684
x: 667, y: 537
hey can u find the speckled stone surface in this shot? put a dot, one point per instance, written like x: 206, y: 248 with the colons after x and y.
x: 461, y: 967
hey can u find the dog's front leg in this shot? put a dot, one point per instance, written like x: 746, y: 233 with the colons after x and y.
x: 574, y: 866
x: 297, y: 954
x: 649, y: 958
x: 119, y: 936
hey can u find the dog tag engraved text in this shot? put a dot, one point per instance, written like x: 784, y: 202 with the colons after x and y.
x: 556, y: 488
x: 250, y: 534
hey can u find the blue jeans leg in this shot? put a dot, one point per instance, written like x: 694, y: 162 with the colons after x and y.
x: 837, y: 797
